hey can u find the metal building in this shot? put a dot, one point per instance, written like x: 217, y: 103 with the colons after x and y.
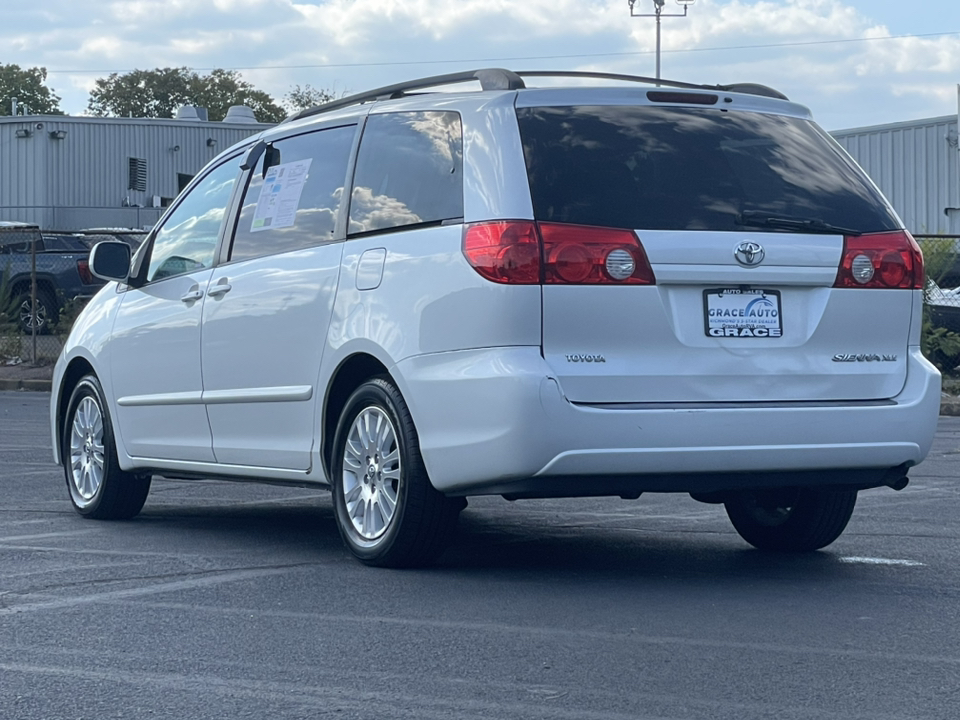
x: 69, y: 173
x: 916, y: 164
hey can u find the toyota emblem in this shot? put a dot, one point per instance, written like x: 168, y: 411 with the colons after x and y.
x: 749, y: 253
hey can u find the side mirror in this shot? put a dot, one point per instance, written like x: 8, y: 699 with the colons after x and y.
x: 110, y: 260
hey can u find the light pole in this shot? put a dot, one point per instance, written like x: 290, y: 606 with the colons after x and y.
x: 657, y: 13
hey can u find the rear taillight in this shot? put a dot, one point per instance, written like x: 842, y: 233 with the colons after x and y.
x: 527, y: 253
x: 83, y: 270
x: 586, y: 255
x: 504, y: 252
x: 881, y: 260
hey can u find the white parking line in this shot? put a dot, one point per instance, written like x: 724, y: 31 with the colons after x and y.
x: 206, y: 580
x: 44, y: 536
x: 881, y: 561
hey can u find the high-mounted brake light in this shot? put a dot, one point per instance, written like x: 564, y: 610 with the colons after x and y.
x: 526, y: 253
x: 881, y: 260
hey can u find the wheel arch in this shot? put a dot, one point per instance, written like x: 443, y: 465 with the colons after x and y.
x: 352, y: 372
x: 75, y: 370
x: 44, y: 284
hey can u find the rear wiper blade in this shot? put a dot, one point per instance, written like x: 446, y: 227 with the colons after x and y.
x: 811, y: 225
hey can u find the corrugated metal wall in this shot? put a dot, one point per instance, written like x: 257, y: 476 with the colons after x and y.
x: 48, y: 180
x: 916, y: 165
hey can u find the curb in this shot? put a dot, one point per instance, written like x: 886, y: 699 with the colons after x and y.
x: 950, y: 407
x: 34, y: 385
x: 947, y: 407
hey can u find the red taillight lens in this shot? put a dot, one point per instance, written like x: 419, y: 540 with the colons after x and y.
x: 504, y: 252
x: 881, y: 260
x: 83, y: 270
x: 527, y: 253
x: 586, y: 255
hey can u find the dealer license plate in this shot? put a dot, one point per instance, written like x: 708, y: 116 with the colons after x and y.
x: 739, y: 312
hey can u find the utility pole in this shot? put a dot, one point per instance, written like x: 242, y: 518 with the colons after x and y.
x: 658, y: 13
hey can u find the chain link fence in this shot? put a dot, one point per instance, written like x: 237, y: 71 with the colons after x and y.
x: 61, y: 292
x: 41, y: 291
x: 940, y: 338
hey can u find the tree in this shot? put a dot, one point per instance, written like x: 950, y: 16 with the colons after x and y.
x: 27, y: 86
x: 303, y: 98
x: 223, y: 88
x: 158, y: 93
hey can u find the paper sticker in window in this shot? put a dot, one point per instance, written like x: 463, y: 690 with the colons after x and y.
x: 280, y: 195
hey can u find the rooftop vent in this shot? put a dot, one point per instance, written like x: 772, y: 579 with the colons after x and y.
x: 240, y: 114
x: 187, y: 112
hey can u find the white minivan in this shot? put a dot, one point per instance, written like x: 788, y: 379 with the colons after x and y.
x: 412, y: 297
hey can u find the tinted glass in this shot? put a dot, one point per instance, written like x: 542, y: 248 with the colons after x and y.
x: 188, y: 238
x: 296, y: 205
x: 409, y: 171
x: 689, y: 169
x: 15, y: 240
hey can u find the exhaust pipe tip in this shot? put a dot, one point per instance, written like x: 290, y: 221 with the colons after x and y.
x: 898, y: 483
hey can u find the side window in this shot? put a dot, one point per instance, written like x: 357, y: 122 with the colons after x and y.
x: 409, y: 171
x: 295, y: 203
x: 188, y: 238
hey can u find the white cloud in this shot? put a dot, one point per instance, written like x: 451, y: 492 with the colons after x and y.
x: 375, y: 42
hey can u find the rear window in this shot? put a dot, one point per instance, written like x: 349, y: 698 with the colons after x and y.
x: 662, y: 168
x: 409, y: 172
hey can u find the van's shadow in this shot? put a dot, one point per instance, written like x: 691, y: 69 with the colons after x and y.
x: 488, y: 542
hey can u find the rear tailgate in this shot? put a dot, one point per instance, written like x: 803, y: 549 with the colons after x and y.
x: 744, y: 305
x: 657, y: 343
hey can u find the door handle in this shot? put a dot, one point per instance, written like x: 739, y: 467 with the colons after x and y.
x: 192, y: 296
x: 221, y: 288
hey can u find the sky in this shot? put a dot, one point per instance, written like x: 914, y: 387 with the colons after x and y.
x: 854, y: 63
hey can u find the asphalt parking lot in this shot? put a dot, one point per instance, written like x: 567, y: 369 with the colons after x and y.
x: 238, y: 601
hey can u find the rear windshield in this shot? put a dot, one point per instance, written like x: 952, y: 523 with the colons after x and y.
x: 662, y: 168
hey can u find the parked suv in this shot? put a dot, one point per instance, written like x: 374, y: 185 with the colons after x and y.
x: 59, y: 267
x: 413, y: 297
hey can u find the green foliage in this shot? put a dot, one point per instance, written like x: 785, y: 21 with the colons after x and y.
x: 27, y: 85
x: 10, y: 337
x: 939, y: 256
x: 303, y: 98
x: 223, y: 88
x: 939, y: 345
x: 158, y: 93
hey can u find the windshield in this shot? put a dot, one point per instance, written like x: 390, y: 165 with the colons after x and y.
x: 657, y: 168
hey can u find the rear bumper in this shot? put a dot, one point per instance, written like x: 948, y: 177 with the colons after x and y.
x: 494, y: 421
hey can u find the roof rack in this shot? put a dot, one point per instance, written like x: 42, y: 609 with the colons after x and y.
x: 747, y: 88
x: 500, y: 79
x: 489, y: 78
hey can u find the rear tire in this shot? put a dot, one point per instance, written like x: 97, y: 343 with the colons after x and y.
x: 791, y: 519
x: 388, y: 512
x: 98, y: 487
x: 47, y: 312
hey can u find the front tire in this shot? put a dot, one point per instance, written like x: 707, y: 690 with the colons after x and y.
x: 98, y: 487
x: 388, y: 512
x: 792, y: 519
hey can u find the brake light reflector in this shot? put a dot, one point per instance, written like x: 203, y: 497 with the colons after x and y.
x: 587, y: 255
x: 521, y: 252
x: 881, y: 260
x: 504, y: 252
x: 83, y: 270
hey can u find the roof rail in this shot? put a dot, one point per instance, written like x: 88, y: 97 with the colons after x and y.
x: 500, y: 79
x: 753, y: 89
x: 747, y: 88
x: 489, y: 79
